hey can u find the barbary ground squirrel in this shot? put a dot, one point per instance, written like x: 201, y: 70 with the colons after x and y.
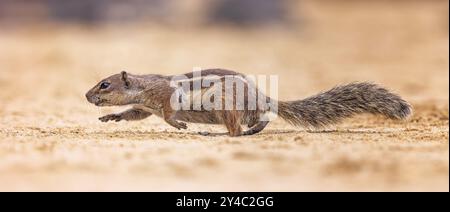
x: 153, y: 94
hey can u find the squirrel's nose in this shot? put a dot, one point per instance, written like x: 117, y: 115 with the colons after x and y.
x: 88, y: 96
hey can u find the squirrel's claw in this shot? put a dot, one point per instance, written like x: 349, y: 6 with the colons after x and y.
x: 176, y: 124
x: 181, y: 125
x: 110, y: 117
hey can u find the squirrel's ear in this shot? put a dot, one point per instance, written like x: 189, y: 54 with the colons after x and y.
x: 125, y: 79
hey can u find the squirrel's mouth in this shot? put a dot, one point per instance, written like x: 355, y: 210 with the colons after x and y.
x: 99, y: 102
x: 96, y: 100
x: 102, y: 103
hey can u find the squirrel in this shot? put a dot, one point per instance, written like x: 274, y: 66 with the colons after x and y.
x: 152, y: 94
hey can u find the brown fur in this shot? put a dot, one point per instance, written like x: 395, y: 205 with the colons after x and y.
x: 150, y: 94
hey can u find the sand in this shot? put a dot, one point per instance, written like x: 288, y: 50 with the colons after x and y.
x: 51, y: 140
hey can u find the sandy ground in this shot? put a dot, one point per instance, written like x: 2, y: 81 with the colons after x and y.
x: 50, y: 138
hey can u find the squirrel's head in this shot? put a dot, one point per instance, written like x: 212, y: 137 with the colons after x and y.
x: 113, y: 91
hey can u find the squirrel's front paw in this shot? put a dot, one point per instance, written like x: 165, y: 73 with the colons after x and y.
x: 180, y: 125
x: 111, y: 117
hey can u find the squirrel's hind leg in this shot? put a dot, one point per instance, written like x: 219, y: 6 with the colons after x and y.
x: 232, y: 120
x: 257, y: 128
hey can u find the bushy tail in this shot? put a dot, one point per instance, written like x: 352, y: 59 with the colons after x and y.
x: 342, y: 102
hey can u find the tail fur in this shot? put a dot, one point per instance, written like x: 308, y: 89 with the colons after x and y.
x: 341, y: 102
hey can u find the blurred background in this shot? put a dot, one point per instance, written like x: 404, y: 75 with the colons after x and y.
x: 320, y: 42
x: 53, y: 51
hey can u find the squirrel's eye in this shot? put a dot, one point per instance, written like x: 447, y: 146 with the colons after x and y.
x: 104, y: 85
